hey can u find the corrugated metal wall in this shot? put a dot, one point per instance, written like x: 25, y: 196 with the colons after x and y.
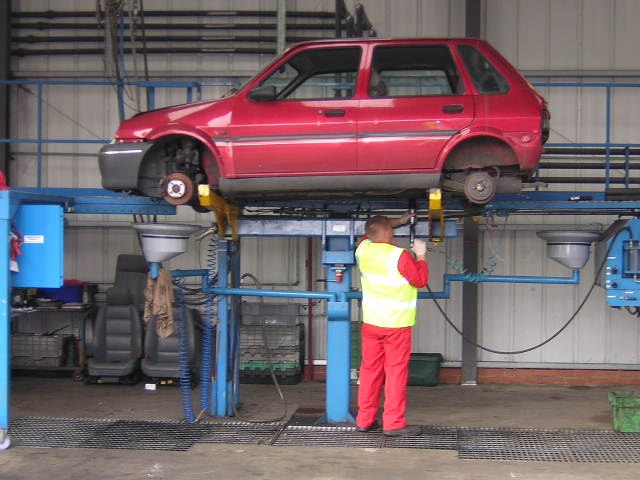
x: 554, y: 38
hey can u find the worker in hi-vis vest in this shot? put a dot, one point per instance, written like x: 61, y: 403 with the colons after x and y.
x: 390, y: 278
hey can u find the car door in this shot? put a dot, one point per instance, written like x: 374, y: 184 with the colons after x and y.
x: 416, y: 102
x: 308, y: 126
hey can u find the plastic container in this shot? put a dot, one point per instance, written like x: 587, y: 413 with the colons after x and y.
x: 70, y: 292
x: 424, y: 369
x: 625, y: 412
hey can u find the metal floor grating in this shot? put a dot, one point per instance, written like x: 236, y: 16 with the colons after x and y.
x: 108, y: 434
x: 434, y: 438
x: 242, y: 432
x: 597, y: 446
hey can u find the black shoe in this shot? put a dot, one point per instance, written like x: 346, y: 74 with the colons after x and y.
x: 374, y: 426
x: 404, y: 432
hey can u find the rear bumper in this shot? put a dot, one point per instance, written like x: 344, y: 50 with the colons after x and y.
x: 120, y: 163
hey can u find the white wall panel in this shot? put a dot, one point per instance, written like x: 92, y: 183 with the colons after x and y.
x: 563, y: 46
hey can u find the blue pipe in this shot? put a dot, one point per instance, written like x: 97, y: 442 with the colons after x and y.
x: 154, y: 269
x: 257, y: 292
x: 574, y: 279
x: 445, y: 294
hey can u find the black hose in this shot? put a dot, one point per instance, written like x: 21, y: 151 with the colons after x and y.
x: 566, y: 324
x: 236, y: 356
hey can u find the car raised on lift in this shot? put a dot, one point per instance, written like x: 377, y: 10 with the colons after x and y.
x: 350, y: 117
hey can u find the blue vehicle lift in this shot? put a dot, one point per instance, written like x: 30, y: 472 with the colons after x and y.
x: 339, y: 236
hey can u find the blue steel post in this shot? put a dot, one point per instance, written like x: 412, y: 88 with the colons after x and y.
x: 608, y: 139
x: 338, y: 258
x: 219, y: 404
x: 234, y: 322
x: 5, y: 316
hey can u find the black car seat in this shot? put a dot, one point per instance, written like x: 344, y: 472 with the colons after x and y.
x: 117, y: 341
x: 131, y: 275
x: 162, y: 355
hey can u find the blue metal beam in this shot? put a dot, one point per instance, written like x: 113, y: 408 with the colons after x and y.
x: 95, y: 201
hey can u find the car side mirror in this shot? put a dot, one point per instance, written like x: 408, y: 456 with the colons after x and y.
x: 264, y: 93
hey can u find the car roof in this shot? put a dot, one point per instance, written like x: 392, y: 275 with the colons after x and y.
x: 378, y: 40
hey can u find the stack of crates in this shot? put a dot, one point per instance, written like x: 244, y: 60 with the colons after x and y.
x: 271, y: 339
x: 34, y: 350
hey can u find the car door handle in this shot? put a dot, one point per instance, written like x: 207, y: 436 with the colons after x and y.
x: 334, y: 112
x: 453, y: 108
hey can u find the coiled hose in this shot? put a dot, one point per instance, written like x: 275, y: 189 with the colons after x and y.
x: 487, y: 269
x: 183, y: 355
x: 207, y: 334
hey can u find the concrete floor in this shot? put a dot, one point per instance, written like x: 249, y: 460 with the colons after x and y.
x: 446, y: 405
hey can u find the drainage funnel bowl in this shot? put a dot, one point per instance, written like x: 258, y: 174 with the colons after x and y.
x: 570, y: 248
x: 163, y: 241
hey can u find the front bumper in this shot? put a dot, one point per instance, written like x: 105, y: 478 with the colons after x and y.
x: 120, y: 163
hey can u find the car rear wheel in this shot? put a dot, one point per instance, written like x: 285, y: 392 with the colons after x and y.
x: 479, y: 187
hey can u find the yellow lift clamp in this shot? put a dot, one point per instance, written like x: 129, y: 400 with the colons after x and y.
x: 436, y: 214
x: 226, y: 214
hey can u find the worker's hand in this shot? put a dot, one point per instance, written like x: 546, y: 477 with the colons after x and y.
x: 405, y: 218
x: 419, y: 247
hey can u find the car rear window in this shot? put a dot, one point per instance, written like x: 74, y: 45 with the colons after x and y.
x: 414, y: 71
x: 319, y: 74
x: 484, y: 75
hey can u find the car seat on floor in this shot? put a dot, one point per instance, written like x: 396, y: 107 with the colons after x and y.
x: 162, y: 355
x: 131, y: 275
x: 117, y: 341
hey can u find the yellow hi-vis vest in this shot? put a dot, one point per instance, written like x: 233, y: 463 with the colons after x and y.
x: 388, y: 299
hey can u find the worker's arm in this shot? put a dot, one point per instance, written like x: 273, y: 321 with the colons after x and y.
x: 416, y: 271
x: 403, y: 220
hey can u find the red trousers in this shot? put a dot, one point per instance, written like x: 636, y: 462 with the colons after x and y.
x: 385, y: 361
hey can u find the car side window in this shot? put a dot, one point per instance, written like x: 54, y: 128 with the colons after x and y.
x: 484, y: 75
x: 319, y: 74
x: 414, y: 71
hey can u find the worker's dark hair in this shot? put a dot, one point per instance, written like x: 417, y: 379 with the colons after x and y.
x: 375, y: 226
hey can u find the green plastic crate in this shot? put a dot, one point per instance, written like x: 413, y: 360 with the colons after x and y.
x: 625, y: 412
x: 424, y: 369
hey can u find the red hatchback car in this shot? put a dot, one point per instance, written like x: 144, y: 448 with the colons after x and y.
x: 344, y: 117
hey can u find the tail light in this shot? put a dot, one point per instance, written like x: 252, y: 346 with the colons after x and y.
x: 544, y: 127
